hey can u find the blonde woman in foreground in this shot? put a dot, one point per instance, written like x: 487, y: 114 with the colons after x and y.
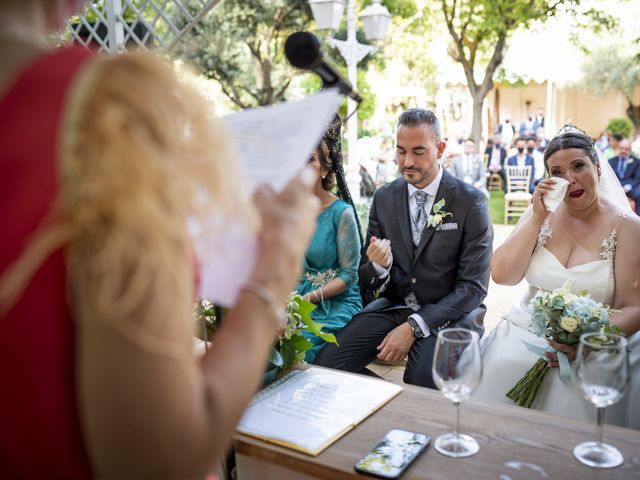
x: 97, y: 279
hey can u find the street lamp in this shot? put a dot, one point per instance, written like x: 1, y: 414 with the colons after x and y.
x: 375, y: 20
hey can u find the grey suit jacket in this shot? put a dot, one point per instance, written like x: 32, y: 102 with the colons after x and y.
x: 449, y: 270
x: 477, y: 171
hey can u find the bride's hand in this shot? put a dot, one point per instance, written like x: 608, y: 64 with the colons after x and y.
x: 568, y: 350
x: 539, y: 210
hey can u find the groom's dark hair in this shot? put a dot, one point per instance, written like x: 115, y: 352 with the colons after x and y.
x: 421, y: 116
x: 571, y: 137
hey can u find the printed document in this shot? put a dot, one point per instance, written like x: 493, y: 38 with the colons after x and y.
x: 310, y: 409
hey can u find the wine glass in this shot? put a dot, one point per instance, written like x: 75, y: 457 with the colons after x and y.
x: 457, y: 370
x: 602, y: 372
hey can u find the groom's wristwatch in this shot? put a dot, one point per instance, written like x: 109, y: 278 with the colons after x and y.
x: 416, y: 331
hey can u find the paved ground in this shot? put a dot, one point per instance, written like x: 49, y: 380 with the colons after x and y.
x: 498, y: 302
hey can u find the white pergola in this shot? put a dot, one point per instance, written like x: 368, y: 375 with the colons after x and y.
x: 114, y: 26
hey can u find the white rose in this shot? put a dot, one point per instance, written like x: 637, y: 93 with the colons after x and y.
x: 436, y: 219
x: 569, y: 324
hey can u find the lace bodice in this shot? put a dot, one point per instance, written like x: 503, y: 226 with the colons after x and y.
x: 546, y: 272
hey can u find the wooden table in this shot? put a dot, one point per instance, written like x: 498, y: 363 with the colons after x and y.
x: 508, y: 436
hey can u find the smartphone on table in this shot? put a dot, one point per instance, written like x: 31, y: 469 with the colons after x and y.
x: 393, y: 454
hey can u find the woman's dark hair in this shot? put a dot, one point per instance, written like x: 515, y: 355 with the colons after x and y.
x: 333, y: 140
x: 571, y: 137
x: 327, y: 164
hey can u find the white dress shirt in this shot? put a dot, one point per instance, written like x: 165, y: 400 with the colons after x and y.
x: 538, y: 163
x: 431, y: 190
x: 495, y: 159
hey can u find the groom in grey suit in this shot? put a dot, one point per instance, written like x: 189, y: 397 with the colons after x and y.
x: 433, y: 267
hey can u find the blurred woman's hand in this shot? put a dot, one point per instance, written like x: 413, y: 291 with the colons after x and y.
x: 288, y: 219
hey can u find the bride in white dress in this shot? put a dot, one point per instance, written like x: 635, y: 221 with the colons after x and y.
x: 593, y: 240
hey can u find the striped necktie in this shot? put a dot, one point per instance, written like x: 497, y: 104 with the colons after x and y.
x: 622, y: 162
x: 420, y: 218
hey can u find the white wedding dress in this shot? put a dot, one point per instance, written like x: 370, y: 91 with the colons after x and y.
x: 506, y: 359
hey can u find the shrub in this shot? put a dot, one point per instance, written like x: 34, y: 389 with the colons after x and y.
x: 620, y: 125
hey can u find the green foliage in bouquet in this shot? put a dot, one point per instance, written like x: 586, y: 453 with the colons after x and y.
x: 560, y: 316
x: 291, y: 346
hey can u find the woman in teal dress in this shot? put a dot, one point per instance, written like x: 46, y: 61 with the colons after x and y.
x: 330, y: 277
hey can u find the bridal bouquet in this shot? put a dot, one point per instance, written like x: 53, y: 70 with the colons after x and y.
x: 560, y: 316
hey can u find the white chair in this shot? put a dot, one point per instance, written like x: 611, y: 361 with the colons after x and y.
x: 517, y: 198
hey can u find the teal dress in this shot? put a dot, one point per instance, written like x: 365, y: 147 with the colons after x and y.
x: 334, y: 251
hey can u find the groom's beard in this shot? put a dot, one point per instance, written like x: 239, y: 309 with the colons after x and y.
x: 418, y: 176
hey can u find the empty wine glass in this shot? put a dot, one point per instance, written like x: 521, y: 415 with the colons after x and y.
x: 602, y: 372
x: 457, y: 370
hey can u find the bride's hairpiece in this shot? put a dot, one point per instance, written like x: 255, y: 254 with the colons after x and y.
x: 569, y: 129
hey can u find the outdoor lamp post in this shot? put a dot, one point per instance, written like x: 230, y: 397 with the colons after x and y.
x: 375, y: 20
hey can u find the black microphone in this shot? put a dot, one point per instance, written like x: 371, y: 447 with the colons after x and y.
x: 303, y: 51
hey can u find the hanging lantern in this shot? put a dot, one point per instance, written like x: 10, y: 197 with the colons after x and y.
x: 375, y: 20
x: 327, y: 13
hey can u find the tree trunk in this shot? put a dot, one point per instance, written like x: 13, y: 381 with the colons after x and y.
x: 633, y: 112
x: 476, y: 126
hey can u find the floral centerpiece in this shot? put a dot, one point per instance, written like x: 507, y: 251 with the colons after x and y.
x: 291, y: 346
x: 560, y: 316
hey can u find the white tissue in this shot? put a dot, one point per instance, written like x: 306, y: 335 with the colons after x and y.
x: 555, y: 196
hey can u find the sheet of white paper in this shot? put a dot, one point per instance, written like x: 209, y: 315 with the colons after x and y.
x: 274, y: 143
x: 226, y: 254
x: 315, y: 407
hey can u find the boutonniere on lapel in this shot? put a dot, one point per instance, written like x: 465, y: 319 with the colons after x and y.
x: 438, y: 214
x: 630, y: 161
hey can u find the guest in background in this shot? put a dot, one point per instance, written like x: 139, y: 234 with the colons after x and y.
x: 528, y: 126
x: 635, y: 146
x: 541, y: 139
x: 627, y: 169
x: 469, y: 167
x: 330, y: 276
x: 507, y: 131
x: 497, y: 156
x: 538, y: 159
x: 367, y: 185
x: 97, y: 278
x: 603, y: 141
x: 613, y: 149
x: 522, y: 159
x: 538, y: 120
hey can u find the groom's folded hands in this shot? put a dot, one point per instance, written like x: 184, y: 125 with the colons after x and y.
x: 379, y: 251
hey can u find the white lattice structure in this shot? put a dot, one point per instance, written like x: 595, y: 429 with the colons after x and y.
x: 114, y: 26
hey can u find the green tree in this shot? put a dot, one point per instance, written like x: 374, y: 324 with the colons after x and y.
x: 406, y: 36
x: 480, y: 31
x: 612, y: 68
x: 240, y: 44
